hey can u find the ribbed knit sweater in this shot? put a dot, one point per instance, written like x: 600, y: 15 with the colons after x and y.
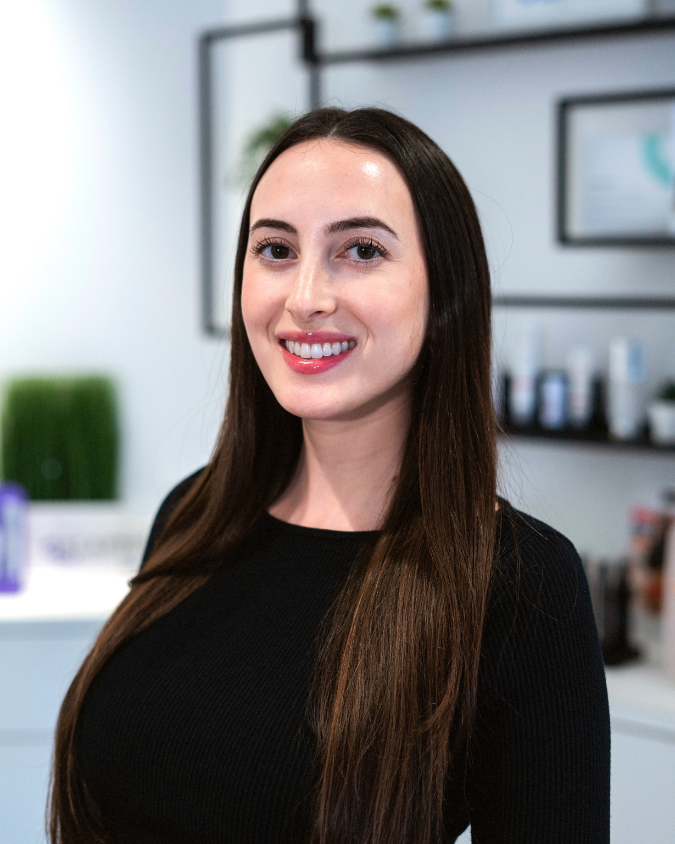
x: 194, y: 732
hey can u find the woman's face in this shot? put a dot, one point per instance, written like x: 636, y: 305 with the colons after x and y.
x: 334, y: 295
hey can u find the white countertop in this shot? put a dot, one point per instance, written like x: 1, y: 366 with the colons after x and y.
x: 66, y: 593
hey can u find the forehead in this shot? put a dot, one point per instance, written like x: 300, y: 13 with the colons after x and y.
x: 327, y: 177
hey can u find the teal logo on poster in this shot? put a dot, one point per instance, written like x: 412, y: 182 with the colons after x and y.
x: 655, y: 157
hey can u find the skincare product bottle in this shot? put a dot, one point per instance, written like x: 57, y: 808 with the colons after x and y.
x: 610, y: 596
x: 13, y: 538
x: 625, y: 406
x: 525, y: 367
x: 669, y: 602
x: 498, y: 393
x: 580, y: 376
x: 553, y: 400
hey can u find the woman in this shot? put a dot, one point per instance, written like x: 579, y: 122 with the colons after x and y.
x: 338, y: 633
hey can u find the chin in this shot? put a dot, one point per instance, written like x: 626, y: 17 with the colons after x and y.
x: 315, y: 404
x: 313, y: 409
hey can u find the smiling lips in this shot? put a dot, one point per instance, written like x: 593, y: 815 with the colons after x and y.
x: 315, y: 352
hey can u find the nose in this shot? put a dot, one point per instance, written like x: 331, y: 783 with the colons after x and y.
x: 311, y: 294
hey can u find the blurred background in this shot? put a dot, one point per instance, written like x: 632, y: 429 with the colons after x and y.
x: 129, y: 131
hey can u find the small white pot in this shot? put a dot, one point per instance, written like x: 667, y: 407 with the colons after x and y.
x: 385, y: 32
x: 662, y: 422
x: 438, y: 25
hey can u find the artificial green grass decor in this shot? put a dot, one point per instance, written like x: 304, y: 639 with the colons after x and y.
x: 60, y: 438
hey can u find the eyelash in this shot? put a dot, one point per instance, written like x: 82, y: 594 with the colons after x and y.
x: 368, y: 242
x: 258, y: 248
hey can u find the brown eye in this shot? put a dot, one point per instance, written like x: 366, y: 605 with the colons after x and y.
x: 366, y: 253
x: 278, y: 251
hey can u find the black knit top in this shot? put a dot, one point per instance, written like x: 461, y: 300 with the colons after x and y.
x: 194, y: 731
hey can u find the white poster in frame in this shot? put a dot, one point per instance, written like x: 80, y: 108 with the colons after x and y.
x: 617, y: 169
x: 549, y: 14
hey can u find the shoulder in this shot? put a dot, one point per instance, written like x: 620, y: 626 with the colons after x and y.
x: 537, y: 565
x: 166, y: 508
x: 540, y: 635
x: 539, y: 612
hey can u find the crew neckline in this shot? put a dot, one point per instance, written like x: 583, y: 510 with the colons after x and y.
x: 324, y: 533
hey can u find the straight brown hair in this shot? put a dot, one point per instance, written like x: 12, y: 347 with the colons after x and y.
x: 394, y: 694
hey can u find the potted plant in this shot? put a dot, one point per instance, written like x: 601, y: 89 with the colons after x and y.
x: 386, y: 24
x: 439, y: 19
x: 258, y: 144
x: 662, y: 416
x: 59, y: 441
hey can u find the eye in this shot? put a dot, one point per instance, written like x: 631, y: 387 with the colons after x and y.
x: 365, y: 251
x: 276, y: 251
x: 272, y: 250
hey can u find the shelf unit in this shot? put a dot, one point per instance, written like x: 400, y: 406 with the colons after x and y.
x: 498, y: 41
x: 594, y: 439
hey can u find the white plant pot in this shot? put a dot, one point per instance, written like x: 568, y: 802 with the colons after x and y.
x: 83, y: 533
x: 385, y: 33
x: 662, y: 422
x: 437, y: 24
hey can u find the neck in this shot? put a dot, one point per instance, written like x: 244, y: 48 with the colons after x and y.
x: 347, y: 470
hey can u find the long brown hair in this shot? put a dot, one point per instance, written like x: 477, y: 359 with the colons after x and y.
x: 394, y: 691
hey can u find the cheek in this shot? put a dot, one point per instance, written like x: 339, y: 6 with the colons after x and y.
x: 255, y: 305
x: 402, y: 316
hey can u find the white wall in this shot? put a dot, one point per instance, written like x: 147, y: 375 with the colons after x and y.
x: 99, y: 227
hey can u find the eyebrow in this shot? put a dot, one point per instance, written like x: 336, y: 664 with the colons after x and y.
x: 359, y: 223
x: 268, y: 223
x: 333, y: 228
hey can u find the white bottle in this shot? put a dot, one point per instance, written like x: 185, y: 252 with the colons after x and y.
x: 580, y: 370
x: 525, y: 366
x: 625, y: 405
x: 553, y: 397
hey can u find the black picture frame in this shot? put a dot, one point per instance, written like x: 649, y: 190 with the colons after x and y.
x: 566, y: 110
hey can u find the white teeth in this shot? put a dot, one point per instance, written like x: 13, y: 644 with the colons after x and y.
x: 318, y: 350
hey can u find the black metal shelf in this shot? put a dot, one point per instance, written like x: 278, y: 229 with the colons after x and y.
x: 478, y: 43
x: 643, y: 303
x: 594, y: 439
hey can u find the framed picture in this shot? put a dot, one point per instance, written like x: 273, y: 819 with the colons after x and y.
x: 243, y: 108
x: 616, y: 169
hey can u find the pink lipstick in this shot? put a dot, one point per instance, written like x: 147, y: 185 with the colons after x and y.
x: 316, y: 351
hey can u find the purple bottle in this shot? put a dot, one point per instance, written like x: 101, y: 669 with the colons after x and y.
x: 13, y: 537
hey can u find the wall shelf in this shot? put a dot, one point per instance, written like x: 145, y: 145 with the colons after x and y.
x: 640, y: 303
x: 502, y: 40
x: 594, y: 439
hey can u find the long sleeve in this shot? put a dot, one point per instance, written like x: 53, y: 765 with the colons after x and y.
x: 541, y: 756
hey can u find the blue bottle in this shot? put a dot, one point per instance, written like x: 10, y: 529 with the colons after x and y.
x: 13, y: 537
